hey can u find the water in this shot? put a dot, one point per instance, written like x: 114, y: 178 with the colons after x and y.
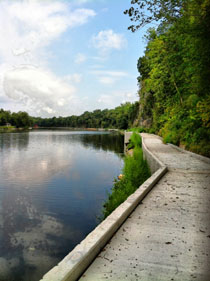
x: 52, y: 188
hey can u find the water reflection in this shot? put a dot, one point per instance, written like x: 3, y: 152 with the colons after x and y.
x: 26, y: 250
x: 37, y: 167
x: 52, y: 187
x: 104, y: 141
x: 14, y: 140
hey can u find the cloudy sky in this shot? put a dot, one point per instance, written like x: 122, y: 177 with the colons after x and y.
x: 59, y: 58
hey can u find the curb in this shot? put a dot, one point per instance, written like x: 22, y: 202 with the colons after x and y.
x: 152, y: 160
x: 77, y: 261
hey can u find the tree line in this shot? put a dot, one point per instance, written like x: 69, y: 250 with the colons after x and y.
x: 121, y: 117
x: 174, y: 85
x: 19, y: 120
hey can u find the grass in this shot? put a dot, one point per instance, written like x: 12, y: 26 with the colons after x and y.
x: 135, y: 172
x: 5, y: 129
x: 138, y: 130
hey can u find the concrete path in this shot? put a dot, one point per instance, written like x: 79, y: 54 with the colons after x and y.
x: 167, y: 237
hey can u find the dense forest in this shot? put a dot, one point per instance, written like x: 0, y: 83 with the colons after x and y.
x: 19, y: 119
x: 121, y: 117
x: 174, y: 81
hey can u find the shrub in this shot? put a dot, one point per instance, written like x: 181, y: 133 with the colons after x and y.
x: 138, y: 130
x: 135, y: 141
x: 135, y: 172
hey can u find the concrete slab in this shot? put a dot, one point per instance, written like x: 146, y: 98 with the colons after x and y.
x: 168, y: 236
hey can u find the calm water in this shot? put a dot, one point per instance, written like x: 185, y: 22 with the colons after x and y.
x: 52, y: 188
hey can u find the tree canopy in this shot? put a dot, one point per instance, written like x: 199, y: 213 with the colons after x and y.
x: 20, y: 119
x: 174, y: 71
x: 143, y: 12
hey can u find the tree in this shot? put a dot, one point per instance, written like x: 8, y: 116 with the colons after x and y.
x: 174, y: 84
x: 147, y: 11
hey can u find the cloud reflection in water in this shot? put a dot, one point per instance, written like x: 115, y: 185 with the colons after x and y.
x: 44, y: 177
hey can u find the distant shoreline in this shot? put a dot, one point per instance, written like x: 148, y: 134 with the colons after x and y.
x: 5, y: 129
x: 81, y: 129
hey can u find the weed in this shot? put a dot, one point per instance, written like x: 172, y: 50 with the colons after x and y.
x: 135, y: 172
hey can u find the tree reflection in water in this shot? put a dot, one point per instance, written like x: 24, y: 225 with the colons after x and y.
x: 107, y: 142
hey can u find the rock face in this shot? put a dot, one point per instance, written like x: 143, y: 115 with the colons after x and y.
x: 144, y: 117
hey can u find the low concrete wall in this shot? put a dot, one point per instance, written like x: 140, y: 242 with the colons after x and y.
x: 76, y: 262
x: 152, y: 160
x: 127, y: 136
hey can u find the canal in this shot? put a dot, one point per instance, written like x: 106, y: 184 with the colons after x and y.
x: 52, y: 188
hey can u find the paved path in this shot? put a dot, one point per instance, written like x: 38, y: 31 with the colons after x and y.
x: 167, y: 237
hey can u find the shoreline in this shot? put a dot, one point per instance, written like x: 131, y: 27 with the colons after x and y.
x: 12, y: 130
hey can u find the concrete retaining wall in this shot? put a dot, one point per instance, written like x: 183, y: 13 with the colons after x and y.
x: 152, y: 160
x: 76, y: 262
x: 127, y: 136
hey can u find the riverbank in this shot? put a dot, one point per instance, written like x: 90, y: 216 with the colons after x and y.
x: 7, y: 129
x: 12, y: 129
x: 134, y: 173
x: 81, y: 129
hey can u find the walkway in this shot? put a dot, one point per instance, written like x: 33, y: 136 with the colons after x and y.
x: 167, y: 237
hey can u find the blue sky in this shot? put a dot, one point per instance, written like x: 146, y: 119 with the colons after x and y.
x: 60, y: 58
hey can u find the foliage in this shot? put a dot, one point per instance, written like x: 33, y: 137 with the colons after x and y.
x: 146, y: 11
x: 121, y: 117
x: 19, y: 119
x: 6, y: 129
x: 135, y: 141
x: 135, y: 172
x: 174, y: 72
x: 138, y: 130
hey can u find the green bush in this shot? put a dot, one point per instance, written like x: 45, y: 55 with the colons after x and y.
x: 135, y: 141
x: 135, y: 172
x: 138, y: 130
x: 171, y: 137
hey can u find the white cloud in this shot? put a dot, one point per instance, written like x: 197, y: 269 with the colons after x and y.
x: 82, y: 1
x: 106, y: 80
x: 112, y: 73
x: 80, y: 16
x: 115, y: 98
x: 80, y: 58
x: 41, y: 91
x: 74, y: 78
x: 130, y: 97
x: 107, y: 100
x: 20, y: 51
x: 108, y: 77
x: 26, y: 29
x: 107, y: 40
x: 31, y: 25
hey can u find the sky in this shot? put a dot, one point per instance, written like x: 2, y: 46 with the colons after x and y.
x: 61, y: 58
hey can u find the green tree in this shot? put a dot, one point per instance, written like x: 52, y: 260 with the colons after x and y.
x: 174, y: 86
